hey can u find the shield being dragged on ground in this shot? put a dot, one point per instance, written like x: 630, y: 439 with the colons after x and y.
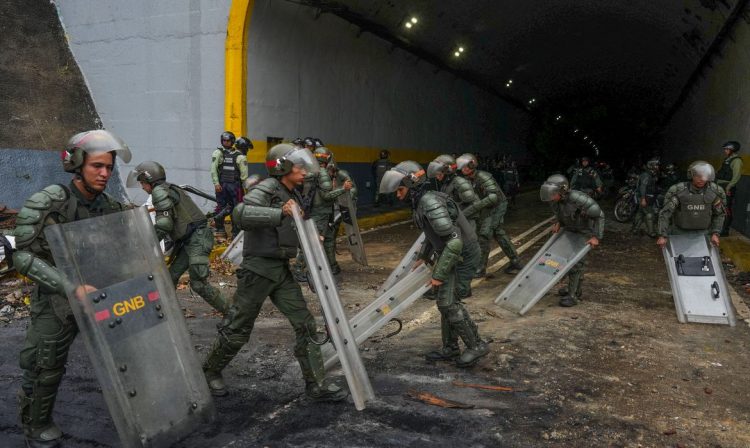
x: 549, y: 265
x: 348, y: 211
x: 696, y: 275
x: 404, y: 266
x: 125, y: 305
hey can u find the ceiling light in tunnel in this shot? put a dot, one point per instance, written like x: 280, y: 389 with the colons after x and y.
x: 532, y: 101
x: 559, y: 117
x: 575, y: 131
x: 408, y: 24
x: 461, y: 49
x: 457, y: 54
x: 585, y: 137
x: 414, y: 20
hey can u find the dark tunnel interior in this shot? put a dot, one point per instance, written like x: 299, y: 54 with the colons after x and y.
x: 599, y: 78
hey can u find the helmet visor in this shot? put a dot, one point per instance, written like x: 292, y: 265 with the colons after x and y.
x: 703, y: 171
x: 465, y: 160
x: 548, y: 192
x: 133, y: 181
x: 391, y: 181
x: 97, y: 141
x: 434, y: 168
x: 303, y: 158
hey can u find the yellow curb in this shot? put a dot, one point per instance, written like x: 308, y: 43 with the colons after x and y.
x: 368, y: 222
x: 738, y: 249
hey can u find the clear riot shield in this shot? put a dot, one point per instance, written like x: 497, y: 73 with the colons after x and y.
x: 550, y: 264
x: 349, y: 216
x: 338, y: 324
x: 699, y: 286
x: 132, y: 326
x: 386, y: 307
x: 404, y: 266
x: 233, y: 252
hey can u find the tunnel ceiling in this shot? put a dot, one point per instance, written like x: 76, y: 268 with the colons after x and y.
x: 604, y: 61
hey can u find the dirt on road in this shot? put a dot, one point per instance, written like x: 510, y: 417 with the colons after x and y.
x: 618, y: 370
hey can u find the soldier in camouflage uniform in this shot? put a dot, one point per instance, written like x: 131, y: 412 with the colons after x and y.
x: 443, y: 171
x: 340, y: 177
x: 451, y: 239
x: 575, y: 211
x: 270, y: 241
x: 318, y: 197
x: 646, y: 192
x: 491, y: 207
x: 728, y: 176
x: 90, y: 156
x: 178, y: 218
x: 586, y: 178
x: 695, y: 206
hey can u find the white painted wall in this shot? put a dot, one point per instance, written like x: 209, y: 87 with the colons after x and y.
x: 155, y: 70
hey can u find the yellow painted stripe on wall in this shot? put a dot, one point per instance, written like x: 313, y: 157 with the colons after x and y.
x: 351, y: 154
x: 235, y: 66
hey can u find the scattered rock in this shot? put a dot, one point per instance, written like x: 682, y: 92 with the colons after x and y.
x: 708, y: 390
x: 670, y: 432
x: 7, y: 310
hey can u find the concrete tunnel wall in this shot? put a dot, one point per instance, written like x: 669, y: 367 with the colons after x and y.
x: 717, y: 109
x: 156, y: 74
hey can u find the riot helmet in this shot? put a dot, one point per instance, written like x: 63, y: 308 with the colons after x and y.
x: 309, y: 142
x: 653, y: 164
x: 91, y: 142
x: 467, y: 160
x: 227, y: 139
x: 318, y: 142
x: 323, y: 155
x: 555, y: 184
x: 298, y: 142
x: 586, y: 160
x: 701, y: 170
x: 408, y: 174
x: 283, y: 157
x: 731, y: 145
x: 670, y: 168
x: 243, y: 144
x: 149, y: 172
x: 442, y: 164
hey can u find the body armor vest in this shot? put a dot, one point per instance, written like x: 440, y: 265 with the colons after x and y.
x: 464, y: 229
x: 585, y: 178
x: 228, y: 170
x: 570, y: 215
x: 274, y: 242
x: 381, y: 166
x: 725, y: 172
x: 695, y: 209
x: 185, y: 213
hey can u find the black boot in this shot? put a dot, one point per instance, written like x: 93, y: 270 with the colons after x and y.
x: 36, y: 417
x: 562, y: 292
x: 325, y: 392
x: 450, y: 350
x: 514, y: 267
x: 476, y: 348
x: 216, y: 384
x: 568, y: 301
